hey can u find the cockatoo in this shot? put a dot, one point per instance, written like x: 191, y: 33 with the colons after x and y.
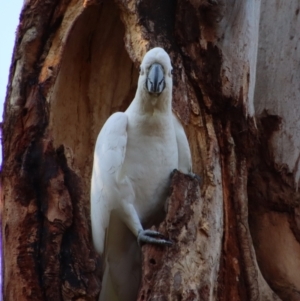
x: 135, y: 153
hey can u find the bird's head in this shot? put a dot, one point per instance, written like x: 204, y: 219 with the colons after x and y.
x: 156, y: 73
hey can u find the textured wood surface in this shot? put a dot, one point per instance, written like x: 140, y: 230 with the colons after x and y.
x: 74, y: 64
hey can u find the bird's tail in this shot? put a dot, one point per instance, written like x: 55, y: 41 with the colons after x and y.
x: 107, y: 293
x: 122, y: 267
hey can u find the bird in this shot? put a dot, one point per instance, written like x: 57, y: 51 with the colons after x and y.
x: 135, y: 154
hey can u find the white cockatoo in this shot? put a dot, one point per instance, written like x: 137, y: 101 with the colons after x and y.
x: 135, y: 153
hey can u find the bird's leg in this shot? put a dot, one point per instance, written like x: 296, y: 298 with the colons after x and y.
x: 131, y: 219
x: 128, y: 214
x: 152, y: 237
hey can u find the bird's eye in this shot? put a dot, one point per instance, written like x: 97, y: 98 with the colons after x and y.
x: 172, y: 72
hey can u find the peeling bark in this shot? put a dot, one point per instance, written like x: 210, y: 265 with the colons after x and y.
x: 235, y: 89
x: 184, y: 267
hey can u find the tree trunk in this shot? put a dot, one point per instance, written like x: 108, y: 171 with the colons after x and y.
x: 236, y: 90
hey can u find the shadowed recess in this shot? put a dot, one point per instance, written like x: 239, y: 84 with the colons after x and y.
x: 96, y: 79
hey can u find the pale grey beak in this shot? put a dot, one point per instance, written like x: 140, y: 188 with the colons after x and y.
x: 155, y: 82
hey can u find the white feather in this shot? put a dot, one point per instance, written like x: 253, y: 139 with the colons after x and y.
x: 134, y: 155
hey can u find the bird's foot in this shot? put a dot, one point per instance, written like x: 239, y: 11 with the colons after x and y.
x: 173, y: 172
x: 193, y: 175
x: 153, y: 237
x: 197, y: 177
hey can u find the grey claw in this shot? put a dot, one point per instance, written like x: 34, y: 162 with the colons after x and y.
x: 198, y: 178
x: 173, y: 172
x: 153, y: 237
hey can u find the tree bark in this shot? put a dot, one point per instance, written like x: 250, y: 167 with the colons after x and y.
x: 236, y: 89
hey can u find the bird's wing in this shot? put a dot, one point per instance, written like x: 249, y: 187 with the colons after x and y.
x: 112, y: 210
x: 184, y: 153
x: 109, y: 156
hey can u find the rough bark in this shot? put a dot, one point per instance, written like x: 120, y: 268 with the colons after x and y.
x: 184, y: 266
x: 75, y: 62
x: 274, y: 172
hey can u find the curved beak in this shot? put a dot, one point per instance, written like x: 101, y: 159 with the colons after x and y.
x: 155, y: 82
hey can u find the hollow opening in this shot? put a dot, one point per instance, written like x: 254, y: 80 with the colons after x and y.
x: 96, y: 79
x: 276, y: 248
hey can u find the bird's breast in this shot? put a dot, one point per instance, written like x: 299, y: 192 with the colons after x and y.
x: 151, y: 155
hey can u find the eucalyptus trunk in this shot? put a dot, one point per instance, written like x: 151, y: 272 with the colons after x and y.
x: 236, y: 90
